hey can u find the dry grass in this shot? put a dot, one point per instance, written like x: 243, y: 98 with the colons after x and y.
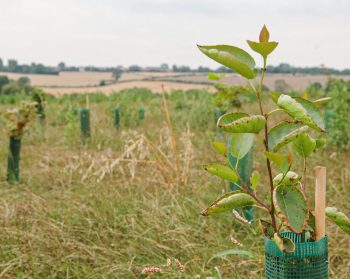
x: 113, y: 207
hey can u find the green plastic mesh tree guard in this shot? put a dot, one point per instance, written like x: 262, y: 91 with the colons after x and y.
x: 13, y: 160
x: 309, y: 261
x: 245, y: 170
x: 85, y: 122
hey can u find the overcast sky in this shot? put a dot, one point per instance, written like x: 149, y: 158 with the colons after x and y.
x: 150, y: 32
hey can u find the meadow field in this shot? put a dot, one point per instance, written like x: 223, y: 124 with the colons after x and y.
x: 130, y: 198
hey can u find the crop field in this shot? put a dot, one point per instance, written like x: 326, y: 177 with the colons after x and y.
x: 89, y: 82
x: 130, y: 198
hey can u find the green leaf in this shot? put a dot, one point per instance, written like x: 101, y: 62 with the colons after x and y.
x: 274, y: 96
x: 264, y: 48
x: 254, y: 180
x: 228, y: 118
x: 338, y: 218
x: 302, y: 110
x: 229, y: 201
x: 282, y: 161
x: 285, y: 244
x: 304, y: 145
x: 291, y: 207
x: 222, y: 171
x: 264, y: 35
x: 284, y: 133
x: 291, y: 178
x: 220, y: 148
x: 232, y: 57
x: 322, y: 101
x: 241, y: 123
x: 266, y: 228
x: 241, y: 144
x: 213, y: 76
x: 224, y: 253
x: 314, y: 113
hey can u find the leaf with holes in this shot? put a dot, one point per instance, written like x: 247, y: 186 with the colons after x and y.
x: 285, y: 244
x: 241, y: 144
x: 338, y: 218
x: 222, y: 171
x: 304, y: 145
x: 241, y: 123
x: 229, y: 201
x: 284, y: 133
x: 302, y: 110
x: 232, y: 57
x: 266, y: 228
x: 291, y: 207
x: 290, y: 178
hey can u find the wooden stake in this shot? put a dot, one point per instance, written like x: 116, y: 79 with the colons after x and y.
x: 320, y: 202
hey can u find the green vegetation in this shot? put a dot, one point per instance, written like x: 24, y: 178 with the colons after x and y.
x: 115, y: 206
x: 337, y: 110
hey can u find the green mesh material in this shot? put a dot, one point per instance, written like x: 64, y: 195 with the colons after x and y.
x: 85, y: 123
x: 116, y: 118
x: 13, y: 160
x: 245, y: 169
x: 309, y: 261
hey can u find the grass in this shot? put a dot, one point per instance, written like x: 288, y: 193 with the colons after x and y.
x: 112, y: 207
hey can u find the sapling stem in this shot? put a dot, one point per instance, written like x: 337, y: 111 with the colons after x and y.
x: 266, y: 143
x: 303, y: 186
x: 245, y: 188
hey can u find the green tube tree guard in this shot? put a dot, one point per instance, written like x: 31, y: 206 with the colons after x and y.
x: 245, y: 170
x: 116, y: 118
x: 13, y: 160
x: 17, y: 121
x: 85, y: 123
x: 141, y: 113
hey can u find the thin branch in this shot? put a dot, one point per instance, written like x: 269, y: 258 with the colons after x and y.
x: 303, y: 186
x: 266, y: 143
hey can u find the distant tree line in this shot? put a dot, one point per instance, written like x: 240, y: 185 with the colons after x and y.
x: 283, y: 68
x: 12, y: 66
